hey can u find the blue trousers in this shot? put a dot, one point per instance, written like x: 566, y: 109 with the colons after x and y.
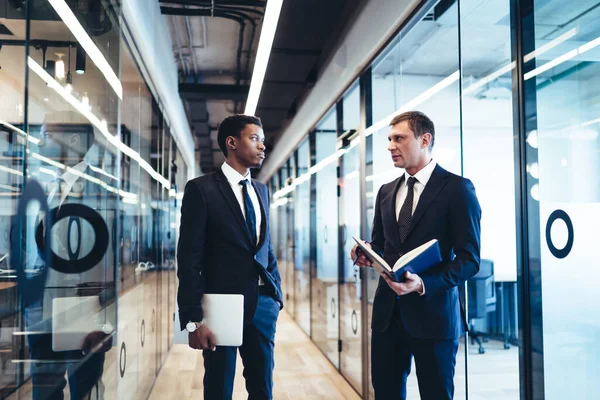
x: 48, y: 367
x: 391, y: 357
x: 256, y: 351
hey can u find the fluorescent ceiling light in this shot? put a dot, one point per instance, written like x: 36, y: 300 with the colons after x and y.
x: 60, y: 69
x: 47, y: 171
x: 100, y: 125
x: 267, y: 34
x: 550, y: 45
x: 19, y: 131
x: 565, y: 57
x: 10, y: 170
x: 427, y: 94
x: 65, y: 13
x: 491, y: 77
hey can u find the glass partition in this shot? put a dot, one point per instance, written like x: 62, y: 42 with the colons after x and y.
x: 349, y: 222
x: 325, y: 296
x: 79, y: 220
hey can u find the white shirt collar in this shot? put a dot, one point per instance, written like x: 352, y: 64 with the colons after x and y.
x: 232, y: 175
x: 424, y: 174
x: 74, y: 173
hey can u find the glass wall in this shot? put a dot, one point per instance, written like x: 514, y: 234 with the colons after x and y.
x: 511, y: 89
x: 349, y: 208
x: 299, y: 218
x: 325, y: 296
x: 88, y: 228
x: 561, y: 86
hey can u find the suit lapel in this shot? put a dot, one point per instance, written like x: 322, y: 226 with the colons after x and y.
x: 393, y: 209
x: 227, y: 192
x: 263, y: 225
x: 433, y: 187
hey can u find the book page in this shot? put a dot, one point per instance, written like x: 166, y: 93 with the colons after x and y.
x: 372, y: 255
x: 408, y: 257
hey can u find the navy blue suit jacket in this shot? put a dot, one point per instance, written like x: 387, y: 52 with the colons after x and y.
x: 215, y: 253
x: 448, y: 210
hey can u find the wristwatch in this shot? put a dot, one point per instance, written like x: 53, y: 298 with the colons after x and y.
x: 193, y: 326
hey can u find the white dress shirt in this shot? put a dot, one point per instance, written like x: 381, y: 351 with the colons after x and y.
x: 234, y: 178
x: 422, y: 178
x: 66, y: 182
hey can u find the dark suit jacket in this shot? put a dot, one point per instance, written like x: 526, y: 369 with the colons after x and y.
x: 215, y: 253
x: 448, y: 211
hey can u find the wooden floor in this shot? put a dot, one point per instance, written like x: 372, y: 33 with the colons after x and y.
x: 301, y: 371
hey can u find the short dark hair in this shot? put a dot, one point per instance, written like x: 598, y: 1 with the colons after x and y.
x: 233, y: 126
x: 418, y: 122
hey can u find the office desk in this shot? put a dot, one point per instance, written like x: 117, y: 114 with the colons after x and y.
x: 7, y: 285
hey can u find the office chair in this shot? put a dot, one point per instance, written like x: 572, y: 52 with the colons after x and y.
x: 482, y: 299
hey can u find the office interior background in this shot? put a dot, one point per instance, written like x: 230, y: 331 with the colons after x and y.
x: 513, y: 91
x: 511, y: 85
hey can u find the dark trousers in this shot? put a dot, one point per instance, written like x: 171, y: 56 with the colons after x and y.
x: 391, y: 357
x: 48, y: 367
x: 256, y: 351
x: 48, y: 371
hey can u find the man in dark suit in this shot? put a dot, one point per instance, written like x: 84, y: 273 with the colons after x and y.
x: 225, y: 247
x: 421, y: 316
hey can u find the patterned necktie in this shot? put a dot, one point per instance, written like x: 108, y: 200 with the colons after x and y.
x: 250, y: 213
x: 405, y: 215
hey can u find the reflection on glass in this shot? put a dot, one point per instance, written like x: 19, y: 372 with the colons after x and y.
x: 325, y: 299
x: 488, y: 161
x: 95, y: 225
x: 71, y: 324
x: 562, y: 88
x: 349, y: 221
x: 299, y: 223
x: 418, y: 71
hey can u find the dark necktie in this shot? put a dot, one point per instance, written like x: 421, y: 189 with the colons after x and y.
x: 249, y: 208
x: 405, y: 215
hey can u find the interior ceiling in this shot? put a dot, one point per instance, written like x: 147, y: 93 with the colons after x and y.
x: 215, y: 51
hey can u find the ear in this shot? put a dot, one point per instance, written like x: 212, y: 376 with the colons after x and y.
x: 426, y: 137
x: 230, y: 142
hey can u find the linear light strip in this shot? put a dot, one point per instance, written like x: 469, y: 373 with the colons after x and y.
x: 550, y: 45
x: 66, y: 14
x: 438, y: 87
x: 528, y: 57
x: 100, y: 125
x: 267, y: 35
x: 11, y: 170
x: 491, y: 77
x: 565, y: 57
x: 83, y: 175
x: 20, y: 131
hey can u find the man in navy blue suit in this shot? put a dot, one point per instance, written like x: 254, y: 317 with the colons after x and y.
x: 421, y: 316
x: 225, y: 247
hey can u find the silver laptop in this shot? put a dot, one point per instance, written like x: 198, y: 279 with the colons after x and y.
x: 73, y: 318
x: 224, y: 316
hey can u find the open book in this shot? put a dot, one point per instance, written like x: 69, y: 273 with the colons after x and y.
x: 416, y: 261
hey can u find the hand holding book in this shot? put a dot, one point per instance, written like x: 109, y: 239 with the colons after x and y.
x: 415, y: 261
x: 360, y: 257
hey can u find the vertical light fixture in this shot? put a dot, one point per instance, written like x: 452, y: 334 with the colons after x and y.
x: 51, y: 67
x: 85, y: 100
x: 66, y: 14
x: 60, y: 67
x: 80, y: 60
x: 69, y: 76
x: 267, y: 35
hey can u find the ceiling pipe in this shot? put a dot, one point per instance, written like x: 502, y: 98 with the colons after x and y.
x: 243, y: 3
x: 184, y: 66
x: 238, y: 17
x: 188, y: 31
